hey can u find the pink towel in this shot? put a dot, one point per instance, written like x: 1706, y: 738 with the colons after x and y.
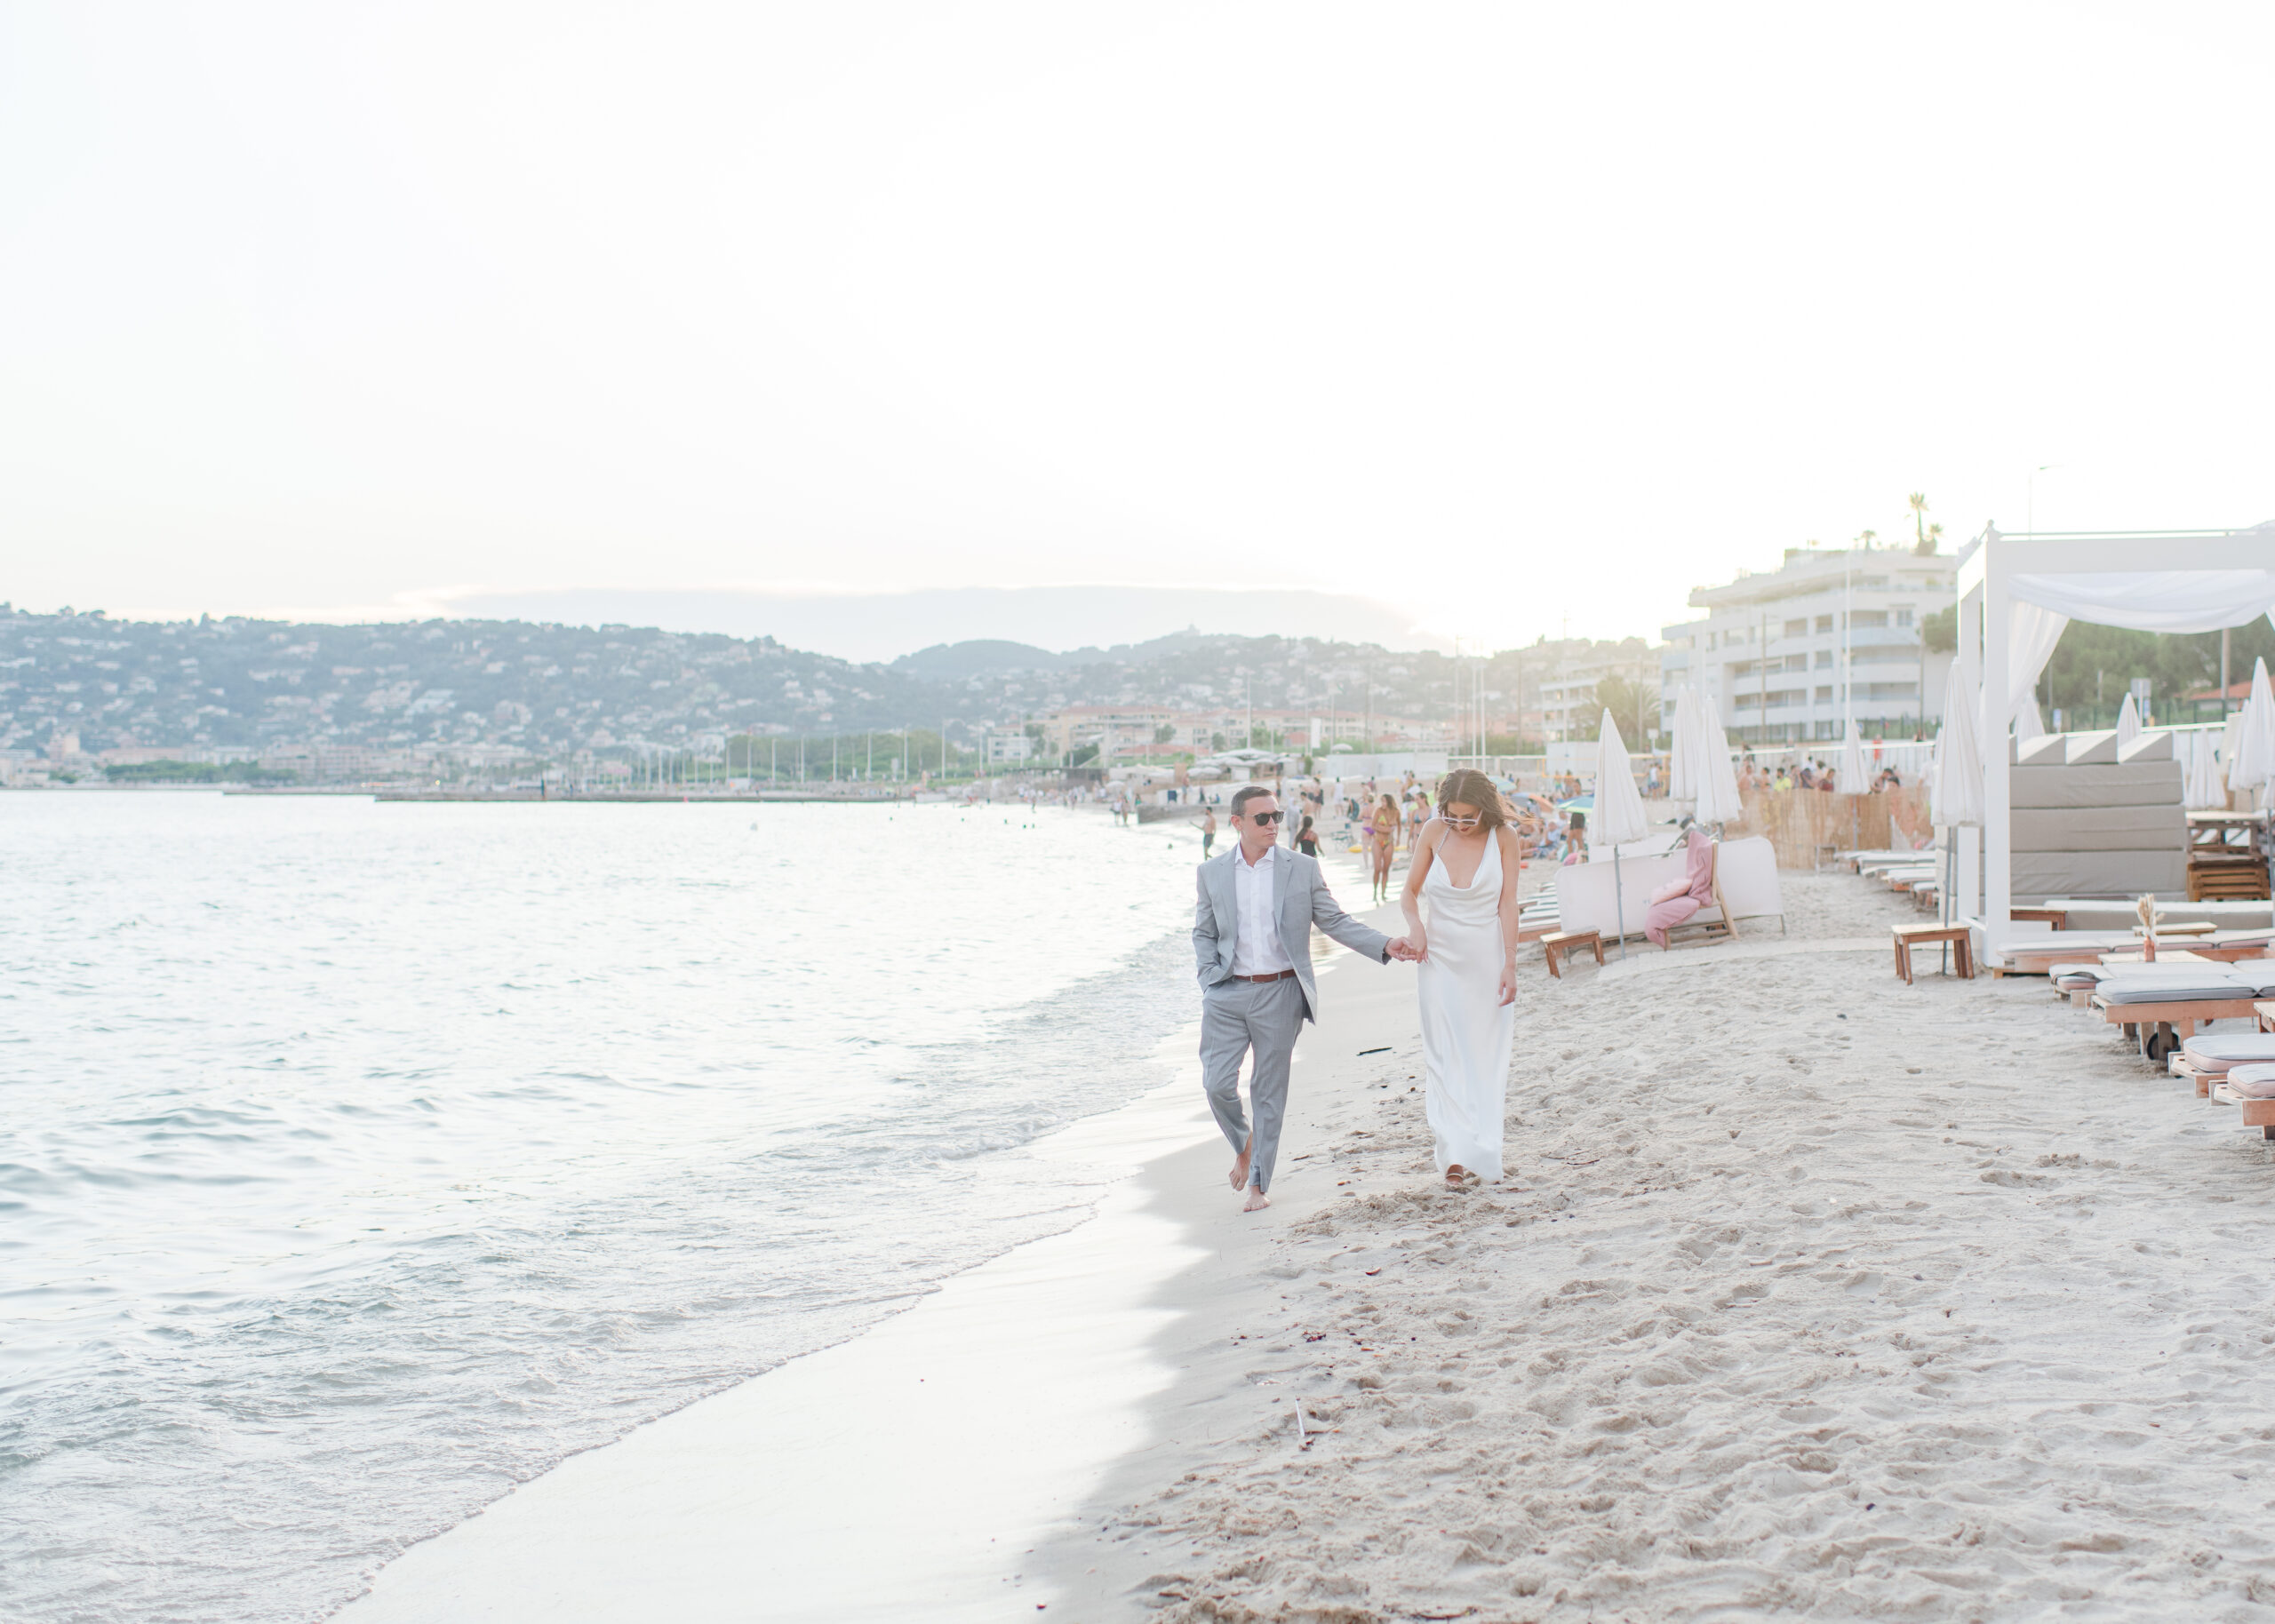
x: 1679, y: 899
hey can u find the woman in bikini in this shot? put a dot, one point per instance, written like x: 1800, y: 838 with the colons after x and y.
x: 1385, y: 828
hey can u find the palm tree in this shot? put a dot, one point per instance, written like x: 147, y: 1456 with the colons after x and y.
x: 1918, y: 501
x: 1931, y: 541
x: 1867, y: 537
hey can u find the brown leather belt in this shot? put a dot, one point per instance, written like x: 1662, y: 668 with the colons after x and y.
x: 1281, y: 975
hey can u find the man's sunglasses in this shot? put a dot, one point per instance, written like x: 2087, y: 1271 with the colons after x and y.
x: 1264, y: 817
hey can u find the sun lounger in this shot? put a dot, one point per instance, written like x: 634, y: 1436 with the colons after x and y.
x: 2080, y: 979
x: 2207, y: 1058
x: 2251, y: 1088
x: 2111, y: 913
x: 2039, y: 952
x: 2160, y: 1010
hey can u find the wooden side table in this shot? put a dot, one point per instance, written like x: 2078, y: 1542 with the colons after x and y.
x: 1570, y: 941
x: 1911, y: 936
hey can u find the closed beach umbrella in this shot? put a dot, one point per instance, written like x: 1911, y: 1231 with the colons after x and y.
x: 2251, y: 763
x: 2128, y: 722
x: 2204, y: 790
x: 1717, y: 777
x: 1852, y: 760
x: 1682, y: 761
x: 1956, y: 796
x: 1618, y: 816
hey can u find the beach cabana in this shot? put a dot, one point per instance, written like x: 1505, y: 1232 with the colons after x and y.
x: 2016, y: 596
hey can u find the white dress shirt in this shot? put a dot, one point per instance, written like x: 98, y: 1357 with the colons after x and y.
x: 1257, y: 950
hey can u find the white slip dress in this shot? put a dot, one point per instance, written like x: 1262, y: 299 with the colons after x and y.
x: 1466, y: 1030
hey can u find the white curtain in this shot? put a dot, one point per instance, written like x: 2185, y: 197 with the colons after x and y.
x: 2154, y: 600
x: 2028, y: 723
x: 2031, y: 632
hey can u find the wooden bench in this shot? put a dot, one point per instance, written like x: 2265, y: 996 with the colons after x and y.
x: 1570, y: 941
x: 1909, y: 937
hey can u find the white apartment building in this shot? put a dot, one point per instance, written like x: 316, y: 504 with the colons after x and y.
x: 1001, y: 748
x: 1787, y: 656
x: 1568, y: 697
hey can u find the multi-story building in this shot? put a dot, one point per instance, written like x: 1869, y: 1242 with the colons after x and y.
x: 1569, y: 694
x: 1788, y: 656
x: 1001, y: 748
x: 1156, y: 730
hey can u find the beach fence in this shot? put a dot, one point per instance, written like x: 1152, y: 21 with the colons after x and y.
x: 1806, y: 826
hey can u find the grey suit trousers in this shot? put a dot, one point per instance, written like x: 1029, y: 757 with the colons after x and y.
x: 1236, y: 1017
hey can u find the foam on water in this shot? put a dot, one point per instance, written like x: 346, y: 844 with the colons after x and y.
x: 359, y: 1160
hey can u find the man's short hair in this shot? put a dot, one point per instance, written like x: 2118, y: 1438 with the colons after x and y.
x: 1246, y: 793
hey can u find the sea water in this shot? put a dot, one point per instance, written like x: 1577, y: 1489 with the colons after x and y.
x: 359, y: 1160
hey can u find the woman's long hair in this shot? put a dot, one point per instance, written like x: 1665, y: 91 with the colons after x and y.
x: 1472, y: 788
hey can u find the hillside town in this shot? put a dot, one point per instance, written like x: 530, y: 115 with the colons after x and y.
x: 1787, y: 654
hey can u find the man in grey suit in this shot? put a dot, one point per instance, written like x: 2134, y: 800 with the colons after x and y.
x: 1252, y: 935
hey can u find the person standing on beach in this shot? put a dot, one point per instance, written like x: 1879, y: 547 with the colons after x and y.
x: 1207, y: 832
x: 1465, y: 863
x: 1385, y: 825
x: 1251, y: 942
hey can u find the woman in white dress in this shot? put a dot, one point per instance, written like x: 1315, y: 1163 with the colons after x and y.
x: 1465, y: 863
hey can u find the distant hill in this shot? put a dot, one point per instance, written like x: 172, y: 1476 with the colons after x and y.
x: 550, y: 689
x: 981, y: 656
x: 988, y: 656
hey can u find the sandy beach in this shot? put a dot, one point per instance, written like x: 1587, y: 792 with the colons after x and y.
x: 1809, y: 1293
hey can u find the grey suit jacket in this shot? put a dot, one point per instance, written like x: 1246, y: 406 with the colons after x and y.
x: 1301, y: 900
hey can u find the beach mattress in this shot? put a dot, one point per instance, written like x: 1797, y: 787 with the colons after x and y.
x: 2041, y: 874
x: 2206, y: 986
x: 2137, y: 783
x: 2100, y: 829
x: 2093, y: 914
x: 2210, y: 1053
x: 2259, y: 972
x: 2182, y: 970
x: 2252, y: 1082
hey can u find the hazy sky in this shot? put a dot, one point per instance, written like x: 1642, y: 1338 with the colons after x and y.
x: 1504, y: 314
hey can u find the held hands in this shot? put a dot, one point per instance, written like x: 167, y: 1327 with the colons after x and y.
x: 1409, y: 950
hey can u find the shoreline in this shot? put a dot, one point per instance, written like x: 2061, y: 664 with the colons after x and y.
x: 937, y: 1457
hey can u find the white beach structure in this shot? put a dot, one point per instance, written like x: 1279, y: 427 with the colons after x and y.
x: 2016, y: 596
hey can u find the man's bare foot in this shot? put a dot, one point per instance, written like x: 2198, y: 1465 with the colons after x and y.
x: 1256, y: 1201
x: 1240, y: 1167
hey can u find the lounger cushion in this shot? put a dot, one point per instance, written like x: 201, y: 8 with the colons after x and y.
x: 2259, y: 972
x: 2159, y: 970
x: 2217, y: 1053
x: 2253, y: 1082
x: 2213, y: 986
